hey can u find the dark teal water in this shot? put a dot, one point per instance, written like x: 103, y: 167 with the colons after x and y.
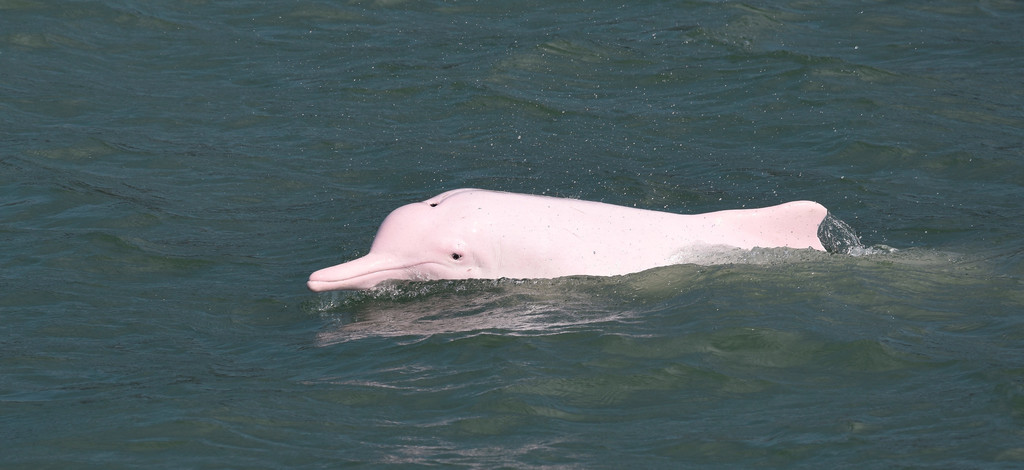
x: 171, y: 174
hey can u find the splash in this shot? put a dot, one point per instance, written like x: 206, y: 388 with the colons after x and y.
x: 838, y: 237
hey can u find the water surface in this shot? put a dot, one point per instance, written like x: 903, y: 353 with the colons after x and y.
x: 171, y: 174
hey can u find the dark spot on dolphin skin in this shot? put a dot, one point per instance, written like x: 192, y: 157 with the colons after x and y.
x: 456, y: 256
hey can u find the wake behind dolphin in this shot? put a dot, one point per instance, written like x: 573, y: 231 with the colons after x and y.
x: 475, y: 233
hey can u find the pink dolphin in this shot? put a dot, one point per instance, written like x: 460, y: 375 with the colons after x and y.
x: 475, y: 233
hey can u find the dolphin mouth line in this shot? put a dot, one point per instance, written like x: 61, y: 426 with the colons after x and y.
x: 410, y: 273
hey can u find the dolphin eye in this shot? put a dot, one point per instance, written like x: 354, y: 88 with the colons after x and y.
x: 433, y: 204
x: 456, y: 256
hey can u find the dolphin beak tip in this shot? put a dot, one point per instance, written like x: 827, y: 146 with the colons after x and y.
x: 358, y: 274
x: 315, y: 286
x: 321, y: 282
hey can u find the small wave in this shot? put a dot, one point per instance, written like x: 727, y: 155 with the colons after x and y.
x: 870, y: 250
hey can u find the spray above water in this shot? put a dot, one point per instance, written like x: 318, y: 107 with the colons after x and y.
x: 837, y: 236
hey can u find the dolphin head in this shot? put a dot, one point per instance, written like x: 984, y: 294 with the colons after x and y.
x: 420, y: 241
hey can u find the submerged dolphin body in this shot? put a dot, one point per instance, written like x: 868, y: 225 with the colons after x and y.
x: 475, y: 233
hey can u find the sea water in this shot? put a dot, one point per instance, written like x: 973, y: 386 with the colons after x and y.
x: 171, y: 173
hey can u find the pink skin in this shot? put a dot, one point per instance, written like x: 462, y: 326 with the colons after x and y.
x: 474, y: 233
